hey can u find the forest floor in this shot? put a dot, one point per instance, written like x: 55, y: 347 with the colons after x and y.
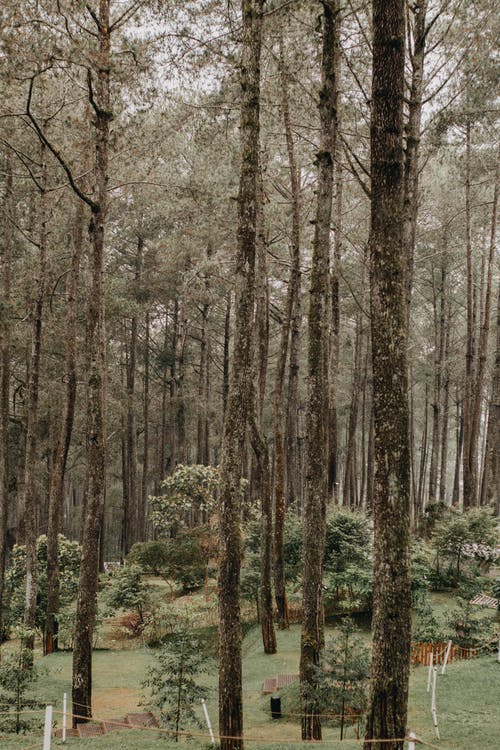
x: 467, y: 700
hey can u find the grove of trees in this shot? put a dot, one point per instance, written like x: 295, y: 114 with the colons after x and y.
x: 257, y: 236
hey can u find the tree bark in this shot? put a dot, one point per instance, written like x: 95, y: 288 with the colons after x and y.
x: 5, y: 354
x: 439, y: 352
x: 143, y: 508
x: 238, y: 401
x: 56, y: 486
x: 316, y: 489
x: 412, y: 151
x: 387, y: 709
x: 96, y: 387
x: 490, y: 490
x: 279, y: 381
x: 477, y: 392
x: 28, y: 499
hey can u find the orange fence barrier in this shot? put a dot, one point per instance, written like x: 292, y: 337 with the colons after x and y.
x: 421, y: 653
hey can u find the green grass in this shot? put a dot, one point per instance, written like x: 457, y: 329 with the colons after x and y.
x: 467, y: 699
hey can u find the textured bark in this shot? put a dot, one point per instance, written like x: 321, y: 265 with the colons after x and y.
x: 350, y: 490
x: 388, y: 703
x: 202, y: 456
x: 413, y: 128
x: 334, y: 357
x: 279, y: 381
x: 439, y: 353
x: 162, y: 457
x: 178, y: 407
x: 446, y: 412
x: 477, y: 391
x: 316, y: 489
x: 28, y: 498
x: 238, y: 400
x: 95, y: 386
x: 468, y: 468
x: 264, y: 493
x: 459, y: 440
x: 145, y: 439
x: 225, y: 364
x: 294, y: 486
x: 490, y: 491
x: 5, y: 347
x: 131, y: 498
x: 56, y: 482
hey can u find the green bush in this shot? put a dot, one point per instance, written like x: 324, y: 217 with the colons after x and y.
x: 151, y: 557
x: 15, y: 580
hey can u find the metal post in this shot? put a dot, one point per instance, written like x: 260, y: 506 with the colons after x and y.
x: 411, y: 741
x: 434, y: 678
x: 47, y: 728
x: 207, y: 718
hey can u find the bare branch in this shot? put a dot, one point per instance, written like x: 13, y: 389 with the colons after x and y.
x: 126, y: 15
x: 43, y: 138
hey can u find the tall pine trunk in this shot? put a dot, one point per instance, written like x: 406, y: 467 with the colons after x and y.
x: 316, y: 489
x: 28, y: 499
x: 56, y: 487
x: 95, y: 386
x: 388, y: 703
x: 5, y: 353
x: 239, y: 395
x: 279, y: 381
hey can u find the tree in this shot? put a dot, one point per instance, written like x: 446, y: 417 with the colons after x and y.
x: 172, y: 681
x: 239, y: 397
x: 312, y: 637
x: 387, y: 710
x: 346, y: 673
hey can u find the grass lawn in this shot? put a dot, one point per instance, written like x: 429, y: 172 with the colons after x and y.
x: 468, y: 698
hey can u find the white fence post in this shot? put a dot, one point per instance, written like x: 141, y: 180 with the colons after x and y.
x: 433, y: 699
x: 65, y: 707
x: 47, y: 728
x: 207, y: 718
x: 446, y: 657
x: 429, y: 673
x: 411, y: 741
x: 435, y: 722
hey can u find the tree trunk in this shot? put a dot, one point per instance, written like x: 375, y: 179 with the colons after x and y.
x: 56, y: 497
x: 446, y: 413
x: 178, y: 407
x: 143, y: 509
x: 239, y: 396
x: 278, y: 396
x: 225, y: 365
x: 413, y: 128
x: 5, y: 347
x: 96, y: 388
x: 469, y: 470
x: 130, y: 512
x: 490, y: 491
x: 387, y: 709
x: 28, y: 501
x: 316, y: 489
x: 439, y: 350
x: 162, y: 457
x: 455, y: 497
x: 477, y: 392
x: 333, y: 469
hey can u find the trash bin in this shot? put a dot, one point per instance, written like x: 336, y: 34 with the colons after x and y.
x: 276, y: 707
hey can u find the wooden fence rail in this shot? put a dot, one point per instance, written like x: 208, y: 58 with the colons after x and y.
x: 421, y: 653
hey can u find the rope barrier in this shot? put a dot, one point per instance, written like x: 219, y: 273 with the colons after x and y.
x: 247, y: 738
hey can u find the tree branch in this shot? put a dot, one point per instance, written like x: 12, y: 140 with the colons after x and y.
x: 43, y: 138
